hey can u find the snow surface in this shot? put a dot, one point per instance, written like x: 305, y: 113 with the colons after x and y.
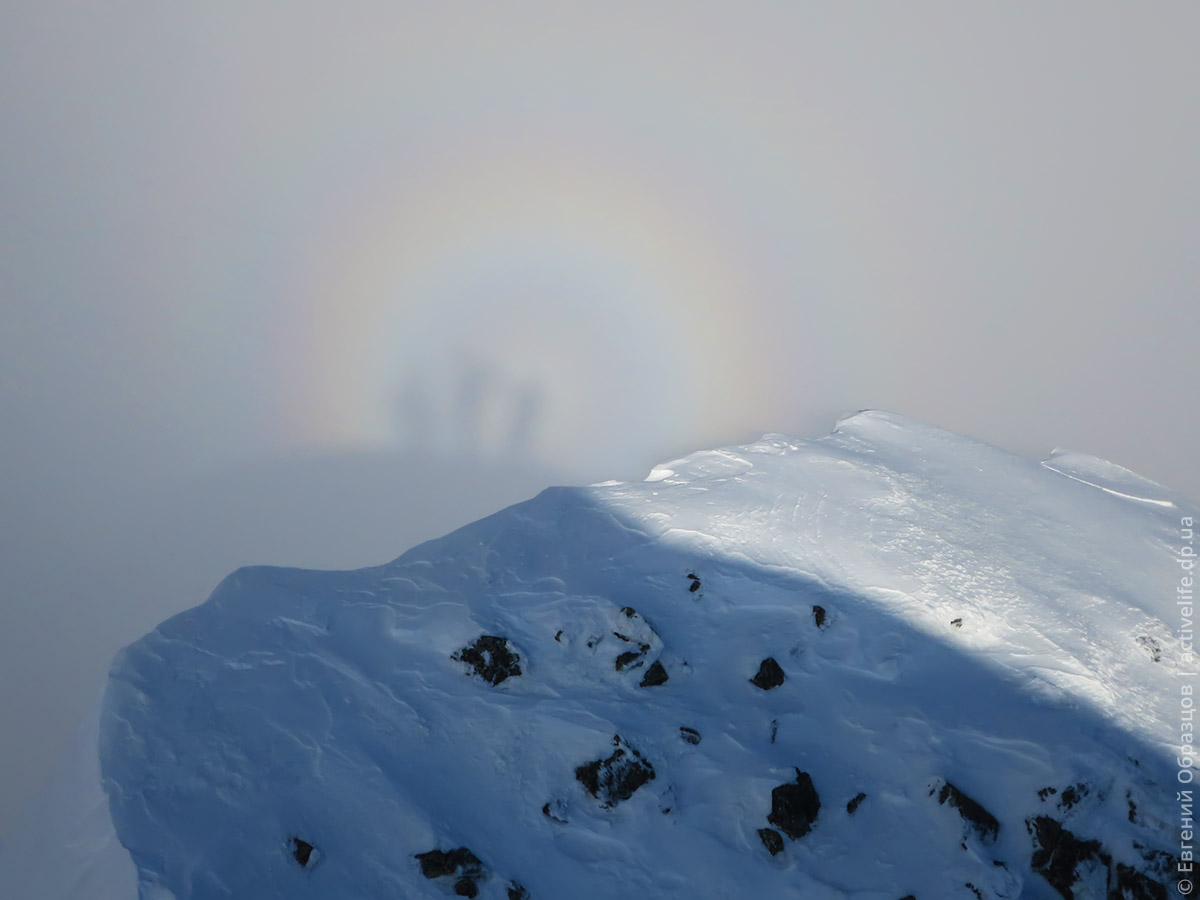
x: 1002, y: 624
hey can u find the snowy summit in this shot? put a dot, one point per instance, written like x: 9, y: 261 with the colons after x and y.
x: 890, y: 662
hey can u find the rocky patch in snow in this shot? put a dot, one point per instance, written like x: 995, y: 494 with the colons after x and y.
x: 1079, y: 868
x: 977, y: 819
x: 491, y: 657
x: 302, y: 851
x: 655, y: 675
x: 460, y: 865
x: 768, y: 676
x: 795, y: 806
x: 771, y: 840
x: 616, y: 777
x: 690, y: 735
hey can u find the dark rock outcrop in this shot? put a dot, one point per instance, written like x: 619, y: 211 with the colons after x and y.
x: 517, y: 891
x: 301, y: 851
x: 1065, y: 861
x: 655, y: 675
x: 1130, y: 884
x: 795, y: 806
x: 440, y: 863
x: 1072, y: 795
x: 855, y: 802
x: 1152, y: 647
x: 1059, y: 856
x: 466, y: 887
x: 819, y: 615
x: 979, y: 819
x: 695, y: 582
x: 691, y: 735
x: 491, y: 658
x: 771, y: 840
x: 637, y: 638
x: 629, y: 657
x: 615, y: 779
x: 769, y: 675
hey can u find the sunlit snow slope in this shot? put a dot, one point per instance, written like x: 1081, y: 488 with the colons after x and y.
x: 897, y: 662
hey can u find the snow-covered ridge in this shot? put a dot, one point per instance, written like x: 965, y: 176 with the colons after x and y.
x: 891, y: 661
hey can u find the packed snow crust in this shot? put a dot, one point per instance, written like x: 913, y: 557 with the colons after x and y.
x: 958, y: 630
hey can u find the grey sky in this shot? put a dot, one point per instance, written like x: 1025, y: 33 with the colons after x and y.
x: 248, y: 253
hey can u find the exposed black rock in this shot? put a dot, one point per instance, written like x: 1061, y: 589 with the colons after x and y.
x: 630, y: 657
x: 1152, y: 647
x: 974, y: 890
x: 1160, y: 862
x: 769, y: 675
x: 855, y: 802
x: 691, y: 735
x: 1072, y: 795
x: 957, y: 623
x: 794, y: 807
x: 695, y: 582
x: 491, y: 657
x: 982, y: 821
x: 1046, y: 792
x: 614, y: 779
x: 819, y: 615
x: 466, y: 887
x: 301, y: 850
x: 516, y: 891
x: 439, y: 863
x: 908, y: 897
x: 1058, y: 854
x: 771, y: 840
x: 774, y: 729
x: 655, y: 675
x: 635, y: 632
x: 1065, y: 861
x: 1134, y: 885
